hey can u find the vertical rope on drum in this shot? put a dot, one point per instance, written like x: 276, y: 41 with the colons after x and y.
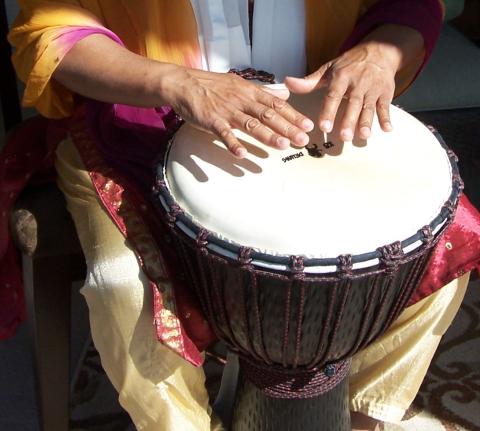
x: 245, y: 264
x: 345, y: 272
x: 258, y: 321
x: 221, y: 304
x: 202, y: 252
x: 364, y: 331
x: 323, y: 336
x: 410, y: 285
x: 301, y: 307
x: 348, y: 285
x: 376, y: 322
x: 286, y: 319
x: 401, y: 300
x: 389, y: 261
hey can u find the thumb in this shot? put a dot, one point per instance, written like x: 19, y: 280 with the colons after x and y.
x: 307, y: 84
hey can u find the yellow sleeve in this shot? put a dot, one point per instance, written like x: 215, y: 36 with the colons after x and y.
x: 42, y: 34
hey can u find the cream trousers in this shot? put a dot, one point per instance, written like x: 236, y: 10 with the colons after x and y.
x: 161, y: 391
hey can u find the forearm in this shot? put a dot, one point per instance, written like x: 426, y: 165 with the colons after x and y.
x: 99, y: 68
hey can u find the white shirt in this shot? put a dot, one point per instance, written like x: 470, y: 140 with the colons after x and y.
x: 278, y: 44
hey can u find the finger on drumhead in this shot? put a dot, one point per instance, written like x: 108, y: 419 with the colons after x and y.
x: 351, y: 116
x: 284, y: 109
x: 334, y: 96
x: 226, y: 135
x: 276, y: 123
x: 364, y: 125
x: 383, y: 113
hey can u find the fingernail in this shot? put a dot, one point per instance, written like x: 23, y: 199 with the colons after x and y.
x: 307, y: 125
x: 240, y: 152
x: 388, y: 126
x: 283, y: 142
x: 365, y: 132
x: 302, y: 139
x: 347, y: 134
x: 326, y: 126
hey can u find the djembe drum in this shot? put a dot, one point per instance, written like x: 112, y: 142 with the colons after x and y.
x: 302, y: 257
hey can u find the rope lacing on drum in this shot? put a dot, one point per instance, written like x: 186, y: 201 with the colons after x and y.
x: 173, y: 214
x: 458, y: 181
x: 244, y: 257
x: 391, y: 256
x: 161, y: 184
x: 452, y: 155
x: 202, y: 241
x: 427, y: 235
x: 278, y: 382
x: 297, y: 266
x: 450, y: 207
x: 345, y: 266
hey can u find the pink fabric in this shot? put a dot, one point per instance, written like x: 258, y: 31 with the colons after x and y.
x: 72, y: 34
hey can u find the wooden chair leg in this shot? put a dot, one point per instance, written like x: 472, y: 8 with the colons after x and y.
x: 47, y: 287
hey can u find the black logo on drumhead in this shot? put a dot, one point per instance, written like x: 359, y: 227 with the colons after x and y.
x: 314, y: 150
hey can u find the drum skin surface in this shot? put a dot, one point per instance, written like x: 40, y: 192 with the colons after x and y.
x: 302, y: 258
x: 336, y: 198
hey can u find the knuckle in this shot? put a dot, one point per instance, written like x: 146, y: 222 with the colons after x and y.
x: 267, y: 114
x: 278, y: 104
x: 355, y: 100
x: 288, y: 130
x: 251, y: 124
x: 225, y: 133
x: 368, y: 108
x: 365, y: 122
x: 334, y: 95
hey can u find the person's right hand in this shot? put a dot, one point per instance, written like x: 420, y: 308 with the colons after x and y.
x: 220, y: 102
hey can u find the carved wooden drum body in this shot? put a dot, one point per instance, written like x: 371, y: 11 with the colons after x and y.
x: 302, y: 257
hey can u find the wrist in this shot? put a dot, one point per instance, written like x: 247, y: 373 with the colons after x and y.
x: 398, y: 44
x: 161, y: 83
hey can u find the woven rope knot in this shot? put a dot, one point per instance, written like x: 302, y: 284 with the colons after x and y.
x: 202, y: 241
x: 173, y: 214
x: 427, y: 235
x: 297, y: 264
x: 391, y: 255
x: 450, y: 207
x: 345, y: 266
x: 452, y: 155
x: 459, y: 182
x: 299, y: 383
x: 250, y: 73
x: 161, y: 184
x: 244, y: 256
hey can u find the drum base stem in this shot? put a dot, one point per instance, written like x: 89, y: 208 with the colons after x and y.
x: 254, y: 411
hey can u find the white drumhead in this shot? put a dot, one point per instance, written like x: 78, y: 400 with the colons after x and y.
x: 359, y: 196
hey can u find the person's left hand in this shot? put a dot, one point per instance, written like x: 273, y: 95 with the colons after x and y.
x: 365, y: 76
